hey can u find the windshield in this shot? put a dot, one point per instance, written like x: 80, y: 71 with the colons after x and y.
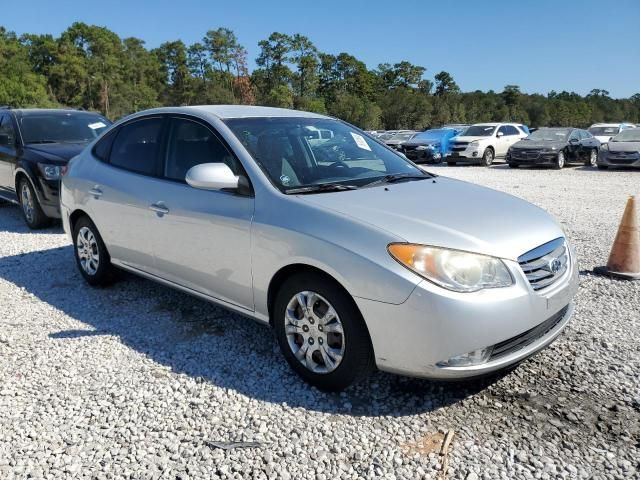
x: 402, y: 136
x: 604, y: 131
x: 629, y: 135
x: 62, y: 127
x: 431, y: 134
x: 282, y: 148
x: 480, y: 131
x: 550, y: 134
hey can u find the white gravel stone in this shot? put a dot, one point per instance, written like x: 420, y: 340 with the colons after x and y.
x: 135, y: 380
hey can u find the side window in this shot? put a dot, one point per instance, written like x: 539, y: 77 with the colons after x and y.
x: 575, y: 135
x: 135, y: 146
x: 7, y: 133
x: 584, y: 134
x: 102, y: 149
x: 502, y: 130
x: 511, y: 130
x: 191, y: 143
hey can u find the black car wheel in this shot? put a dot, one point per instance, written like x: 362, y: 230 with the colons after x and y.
x: 321, y: 333
x: 559, y: 161
x: 592, y: 159
x: 487, y: 157
x: 91, y: 254
x: 31, y: 210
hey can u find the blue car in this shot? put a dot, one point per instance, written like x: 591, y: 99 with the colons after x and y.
x: 429, y: 146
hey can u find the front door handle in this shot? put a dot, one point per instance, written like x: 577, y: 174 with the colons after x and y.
x: 96, y: 192
x: 160, y: 208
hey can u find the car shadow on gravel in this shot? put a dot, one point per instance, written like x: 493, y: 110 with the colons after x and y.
x: 207, y: 343
x: 13, y: 222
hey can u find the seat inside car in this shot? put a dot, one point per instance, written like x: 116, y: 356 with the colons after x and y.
x: 273, y: 151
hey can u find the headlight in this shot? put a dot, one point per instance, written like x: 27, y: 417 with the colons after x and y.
x: 452, y: 269
x: 474, y: 145
x: 51, y: 172
x: 604, y: 146
x: 422, y: 147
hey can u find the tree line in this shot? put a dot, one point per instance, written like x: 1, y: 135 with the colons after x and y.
x: 91, y: 67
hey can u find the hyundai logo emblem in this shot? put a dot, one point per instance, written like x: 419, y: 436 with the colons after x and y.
x: 555, y: 265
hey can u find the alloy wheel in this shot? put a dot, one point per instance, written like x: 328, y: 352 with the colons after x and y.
x: 314, y: 332
x: 26, y: 199
x: 593, y: 158
x: 87, y: 250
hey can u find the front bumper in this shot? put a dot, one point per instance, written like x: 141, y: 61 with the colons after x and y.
x: 532, y: 158
x: 48, y: 192
x: 427, y: 156
x: 468, y: 155
x: 434, y: 325
x: 619, y: 159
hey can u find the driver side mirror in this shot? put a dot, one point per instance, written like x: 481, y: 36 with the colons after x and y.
x: 216, y: 176
x: 573, y: 141
x: 499, y: 134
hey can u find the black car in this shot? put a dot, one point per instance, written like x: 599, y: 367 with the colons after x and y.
x: 35, y: 146
x: 555, y: 147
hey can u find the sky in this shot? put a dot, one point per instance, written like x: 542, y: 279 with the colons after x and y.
x: 540, y: 45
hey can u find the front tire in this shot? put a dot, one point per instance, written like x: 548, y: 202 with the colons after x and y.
x: 487, y: 157
x: 592, y: 160
x: 91, y: 254
x: 321, y: 333
x: 32, y: 212
x: 559, y: 161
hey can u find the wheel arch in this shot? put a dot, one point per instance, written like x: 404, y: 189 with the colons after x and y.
x: 75, y: 216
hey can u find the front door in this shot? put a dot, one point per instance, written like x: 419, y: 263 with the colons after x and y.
x: 203, y: 240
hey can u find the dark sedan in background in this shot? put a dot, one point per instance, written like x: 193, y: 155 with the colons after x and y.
x: 555, y: 147
x: 623, y: 150
x: 35, y: 147
x: 430, y: 146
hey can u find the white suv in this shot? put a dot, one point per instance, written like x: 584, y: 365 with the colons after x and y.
x: 483, y: 142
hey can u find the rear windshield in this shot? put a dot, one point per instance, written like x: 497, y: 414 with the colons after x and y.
x: 62, y: 127
x: 604, y: 131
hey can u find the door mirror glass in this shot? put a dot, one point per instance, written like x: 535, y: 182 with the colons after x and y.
x: 4, y: 140
x: 573, y: 140
x: 212, y: 176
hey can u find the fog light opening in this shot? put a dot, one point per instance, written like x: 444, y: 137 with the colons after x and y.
x: 475, y: 357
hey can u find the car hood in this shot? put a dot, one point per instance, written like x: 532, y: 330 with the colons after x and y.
x: 423, y: 141
x: 624, y: 146
x: 604, y: 138
x: 60, y: 152
x: 448, y: 213
x: 470, y: 139
x: 536, y: 145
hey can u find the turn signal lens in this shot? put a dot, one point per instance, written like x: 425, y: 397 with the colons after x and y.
x: 452, y: 269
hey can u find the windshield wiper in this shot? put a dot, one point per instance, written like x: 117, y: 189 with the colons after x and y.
x: 398, y: 177
x: 41, y: 141
x: 322, y: 187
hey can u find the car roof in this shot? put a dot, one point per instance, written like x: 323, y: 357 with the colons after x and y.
x: 234, y: 111
x: 32, y: 111
x: 610, y: 124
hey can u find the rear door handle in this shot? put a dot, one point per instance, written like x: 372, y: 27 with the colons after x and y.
x: 96, y: 192
x: 160, y: 208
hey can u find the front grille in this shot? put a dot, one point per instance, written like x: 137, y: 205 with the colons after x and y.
x: 527, y: 338
x: 409, y: 148
x: 620, y: 160
x: 525, y: 154
x: 545, y: 264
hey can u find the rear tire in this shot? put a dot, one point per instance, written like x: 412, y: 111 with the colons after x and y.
x: 32, y: 213
x: 559, y: 161
x: 592, y: 159
x: 90, y: 252
x: 330, y: 360
x: 487, y: 157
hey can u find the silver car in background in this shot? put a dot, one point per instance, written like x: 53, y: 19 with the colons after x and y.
x: 355, y: 256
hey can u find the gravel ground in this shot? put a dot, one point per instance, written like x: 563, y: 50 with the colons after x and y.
x: 138, y: 381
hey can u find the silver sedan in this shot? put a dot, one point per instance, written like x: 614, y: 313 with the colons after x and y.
x: 355, y: 257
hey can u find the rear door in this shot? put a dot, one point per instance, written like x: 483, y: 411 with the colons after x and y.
x: 122, y: 190
x: 510, y: 135
x: 203, y: 241
x: 574, y: 147
x: 8, y: 156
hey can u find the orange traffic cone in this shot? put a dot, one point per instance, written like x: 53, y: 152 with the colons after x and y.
x: 624, y: 260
